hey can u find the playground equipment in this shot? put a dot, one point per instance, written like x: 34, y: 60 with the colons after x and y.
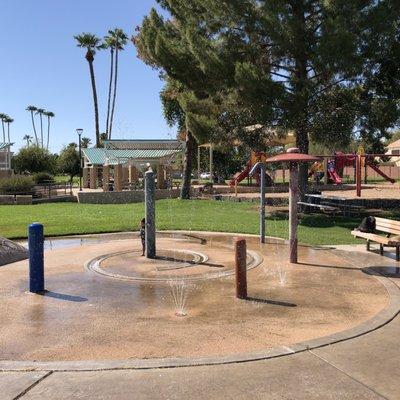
x: 369, y: 161
x: 333, y: 167
x: 256, y: 157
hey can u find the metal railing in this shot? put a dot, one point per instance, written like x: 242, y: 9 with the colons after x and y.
x: 51, y: 189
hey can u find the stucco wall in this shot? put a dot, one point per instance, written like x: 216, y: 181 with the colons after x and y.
x: 18, y: 199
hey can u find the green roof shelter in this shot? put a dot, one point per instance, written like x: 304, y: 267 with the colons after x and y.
x: 126, y: 159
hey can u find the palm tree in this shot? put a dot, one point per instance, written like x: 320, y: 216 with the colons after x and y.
x: 119, y: 41
x: 32, y: 110
x: 91, y: 43
x: 28, y: 139
x: 8, y: 121
x: 41, y: 111
x: 109, y: 43
x: 86, y: 142
x: 49, y: 115
x: 3, y: 117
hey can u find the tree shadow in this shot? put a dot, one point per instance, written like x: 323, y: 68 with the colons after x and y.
x: 63, y: 296
x: 272, y: 302
x: 324, y: 221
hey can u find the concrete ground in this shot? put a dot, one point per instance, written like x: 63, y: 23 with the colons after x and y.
x: 133, y: 316
x: 370, y: 192
x: 364, y: 367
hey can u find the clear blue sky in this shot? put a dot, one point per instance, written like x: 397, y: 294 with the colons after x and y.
x: 41, y: 65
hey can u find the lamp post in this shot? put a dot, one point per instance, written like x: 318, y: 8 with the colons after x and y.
x: 79, y: 132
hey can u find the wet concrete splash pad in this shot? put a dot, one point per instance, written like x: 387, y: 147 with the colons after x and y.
x: 171, y: 264
x: 89, y: 316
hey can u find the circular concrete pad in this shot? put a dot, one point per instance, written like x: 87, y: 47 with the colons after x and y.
x: 87, y: 316
x: 169, y: 265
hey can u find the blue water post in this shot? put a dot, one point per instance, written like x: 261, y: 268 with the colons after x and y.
x: 36, y: 258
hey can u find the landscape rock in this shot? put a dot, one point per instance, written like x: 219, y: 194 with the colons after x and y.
x: 11, y: 252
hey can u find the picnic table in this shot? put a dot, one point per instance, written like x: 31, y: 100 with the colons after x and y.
x: 330, y: 204
x: 314, y: 203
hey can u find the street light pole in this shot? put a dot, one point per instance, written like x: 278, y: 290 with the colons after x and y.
x: 79, y: 132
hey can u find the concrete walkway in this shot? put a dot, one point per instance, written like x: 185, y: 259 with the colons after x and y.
x: 362, y: 368
x: 366, y: 367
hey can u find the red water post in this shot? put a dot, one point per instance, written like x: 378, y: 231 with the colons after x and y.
x: 293, y: 219
x: 241, y: 272
x: 358, y: 175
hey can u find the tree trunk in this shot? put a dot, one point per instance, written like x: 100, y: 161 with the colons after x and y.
x: 8, y: 132
x: 302, y: 143
x: 48, y: 132
x: 34, y: 129
x: 301, y: 93
x: 41, y: 130
x: 109, y: 94
x: 95, y: 102
x: 4, y: 132
x: 115, y: 92
x: 187, y: 166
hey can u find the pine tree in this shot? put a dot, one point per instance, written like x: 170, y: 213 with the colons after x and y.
x: 378, y: 92
x: 290, y: 64
x: 180, y: 104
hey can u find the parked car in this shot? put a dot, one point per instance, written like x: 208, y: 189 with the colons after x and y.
x: 205, y: 175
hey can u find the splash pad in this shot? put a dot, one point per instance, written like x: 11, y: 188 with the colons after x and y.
x: 177, y: 307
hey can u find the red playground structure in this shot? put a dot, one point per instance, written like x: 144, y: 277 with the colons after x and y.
x: 256, y: 156
x: 336, y: 165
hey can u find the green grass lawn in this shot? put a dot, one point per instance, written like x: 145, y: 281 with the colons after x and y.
x: 73, y: 218
x: 65, y: 179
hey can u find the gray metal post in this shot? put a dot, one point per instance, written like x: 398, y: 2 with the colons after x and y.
x: 149, y: 198
x: 262, y: 203
x: 293, y: 199
x: 261, y: 167
x: 211, y: 164
x: 198, y: 162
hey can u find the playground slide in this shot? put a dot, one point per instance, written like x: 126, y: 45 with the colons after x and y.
x: 244, y: 174
x: 334, y: 176
x: 381, y: 173
x: 241, y: 175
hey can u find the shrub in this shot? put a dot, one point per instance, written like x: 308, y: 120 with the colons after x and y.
x: 34, y: 159
x: 43, y: 177
x: 17, y: 185
x: 69, y: 161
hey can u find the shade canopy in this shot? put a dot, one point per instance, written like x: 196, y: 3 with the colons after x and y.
x: 292, y: 155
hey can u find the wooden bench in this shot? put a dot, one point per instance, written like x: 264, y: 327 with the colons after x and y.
x: 387, y: 226
x: 324, y: 208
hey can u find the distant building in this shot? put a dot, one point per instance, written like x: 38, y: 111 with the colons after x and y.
x: 394, y: 150
x: 5, y: 160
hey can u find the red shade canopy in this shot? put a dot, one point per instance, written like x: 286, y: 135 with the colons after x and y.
x: 292, y: 155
